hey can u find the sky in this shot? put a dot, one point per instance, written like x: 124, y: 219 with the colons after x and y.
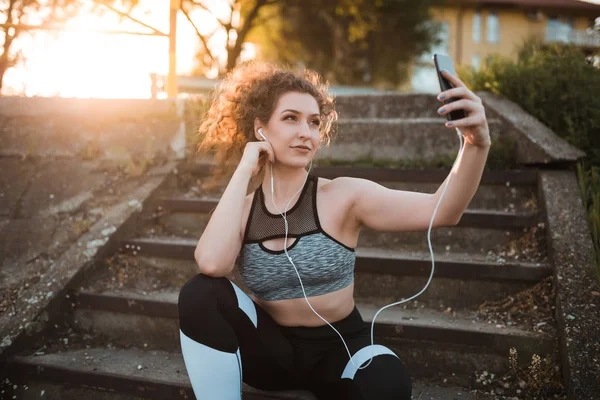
x: 86, y: 64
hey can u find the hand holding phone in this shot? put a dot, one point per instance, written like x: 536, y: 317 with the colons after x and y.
x: 444, y: 62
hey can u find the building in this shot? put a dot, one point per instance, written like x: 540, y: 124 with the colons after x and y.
x: 474, y: 29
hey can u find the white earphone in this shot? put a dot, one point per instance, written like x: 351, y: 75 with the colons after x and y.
x: 261, y: 134
x: 389, y: 305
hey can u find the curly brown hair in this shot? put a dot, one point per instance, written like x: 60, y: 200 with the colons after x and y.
x: 249, y: 91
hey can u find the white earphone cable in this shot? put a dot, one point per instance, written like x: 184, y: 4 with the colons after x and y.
x: 389, y: 305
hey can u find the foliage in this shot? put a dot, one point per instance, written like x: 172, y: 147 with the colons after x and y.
x: 589, y: 186
x: 553, y: 82
x: 195, y: 111
x: 348, y: 41
x: 22, y: 12
x: 353, y: 41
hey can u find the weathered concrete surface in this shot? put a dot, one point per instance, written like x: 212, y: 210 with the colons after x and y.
x: 536, y: 143
x: 40, y: 197
x: 397, y: 139
x: 577, y: 308
x: 391, y: 105
x: 30, y: 285
x: 87, y: 128
x: 71, y: 172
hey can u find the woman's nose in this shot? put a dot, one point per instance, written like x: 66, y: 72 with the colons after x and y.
x: 304, y: 130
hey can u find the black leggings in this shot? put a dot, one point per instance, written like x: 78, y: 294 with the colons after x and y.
x: 226, y: 338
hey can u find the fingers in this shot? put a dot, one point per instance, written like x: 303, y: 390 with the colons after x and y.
x: 452, y: 78
x: 269, y: 150
x: 464, y: 104
x: 458, y: 92
x: 468, y: 121
x: 460, y: 89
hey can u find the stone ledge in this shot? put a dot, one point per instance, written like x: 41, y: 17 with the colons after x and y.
x: 536, y: 143
x: 90, y: 109
x: 577, y: 309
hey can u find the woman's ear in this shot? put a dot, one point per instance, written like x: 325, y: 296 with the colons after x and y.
x: 257, y: 126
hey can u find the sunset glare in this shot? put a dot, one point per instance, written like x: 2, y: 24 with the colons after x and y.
x: 89, y: 64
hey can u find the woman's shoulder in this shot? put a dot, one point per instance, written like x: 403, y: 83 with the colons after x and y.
x: 340, y: 185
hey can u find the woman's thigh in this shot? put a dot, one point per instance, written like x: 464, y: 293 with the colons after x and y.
x: 385, y: 377
x: 218, y: 314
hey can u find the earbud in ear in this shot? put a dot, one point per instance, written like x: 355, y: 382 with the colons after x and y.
x: 261, y: 134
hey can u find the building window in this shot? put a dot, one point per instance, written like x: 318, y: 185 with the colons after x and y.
x: 475, y: 61
x: 557, y: 29
x: 477, y: 27
x: 493, y: 27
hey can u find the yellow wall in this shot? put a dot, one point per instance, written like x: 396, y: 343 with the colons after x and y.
x: 514, y: 27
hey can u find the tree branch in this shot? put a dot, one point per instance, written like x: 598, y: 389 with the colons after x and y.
x: 121, y: 13
x: 233, y: 53
x: 202, y: 6
x: 249, y: 20
x: 202, y: 39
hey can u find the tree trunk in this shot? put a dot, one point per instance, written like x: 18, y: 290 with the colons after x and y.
x: 234, y: 52
x: 4, y: 60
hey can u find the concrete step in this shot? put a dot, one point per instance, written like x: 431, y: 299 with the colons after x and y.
x: 434, y: 344
x: 471, y: 218
x: 391, y: 105
x: 381, y: 276
x: 525, y: 177
x: 513, y: 237
x: 398, y: 139
x: 509, y: 191
x: 108, y: 373
x: 495, y: 198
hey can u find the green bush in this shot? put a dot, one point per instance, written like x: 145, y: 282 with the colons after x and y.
x: 558, y: 85
x: 589, y: 185
x: 553, y: 82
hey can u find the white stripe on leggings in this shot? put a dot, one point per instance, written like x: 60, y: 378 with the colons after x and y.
x: 214, y: 374
x: 363, y: 355
x: 246, y: 304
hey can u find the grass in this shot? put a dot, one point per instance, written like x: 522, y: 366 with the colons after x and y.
x: 589, y: 186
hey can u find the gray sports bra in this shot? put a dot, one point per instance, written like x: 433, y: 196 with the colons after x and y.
x: 324, y: 264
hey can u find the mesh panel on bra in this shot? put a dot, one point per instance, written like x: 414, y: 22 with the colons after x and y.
x: 262, y: 225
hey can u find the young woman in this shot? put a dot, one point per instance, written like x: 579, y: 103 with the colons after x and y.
x: 263, y: 118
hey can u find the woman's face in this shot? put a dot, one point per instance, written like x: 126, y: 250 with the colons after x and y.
x: 294, y: 122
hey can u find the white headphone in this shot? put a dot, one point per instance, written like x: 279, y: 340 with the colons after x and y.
x: 458, y: 132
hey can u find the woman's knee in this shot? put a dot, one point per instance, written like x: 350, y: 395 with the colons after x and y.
x: 199, y: 289
x: 199, y: 296
x: 386, y: 378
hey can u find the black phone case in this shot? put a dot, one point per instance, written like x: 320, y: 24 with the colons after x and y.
x: 445, y: 85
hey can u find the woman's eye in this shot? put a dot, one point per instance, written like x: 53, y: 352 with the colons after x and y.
x: 316, y: 122
x: 290, y: 116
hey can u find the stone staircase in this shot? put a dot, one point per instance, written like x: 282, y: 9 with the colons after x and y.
x: 117, y: 335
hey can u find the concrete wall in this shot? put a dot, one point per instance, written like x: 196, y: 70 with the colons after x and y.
x: 88, y: 128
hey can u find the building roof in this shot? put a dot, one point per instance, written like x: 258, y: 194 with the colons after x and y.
x: 570, y: 4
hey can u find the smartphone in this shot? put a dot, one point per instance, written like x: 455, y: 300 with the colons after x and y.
x: 443, y: 61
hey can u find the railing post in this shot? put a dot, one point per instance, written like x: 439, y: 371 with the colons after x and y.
x: 172, y: 77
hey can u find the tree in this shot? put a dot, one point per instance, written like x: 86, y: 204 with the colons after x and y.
x: 17, y: 15
x: 357, y: 42
x: 349, y: 41
x: 243, y: 17
x: 48, y: 15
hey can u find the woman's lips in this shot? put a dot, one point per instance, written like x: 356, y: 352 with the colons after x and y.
x: 302, y: 149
